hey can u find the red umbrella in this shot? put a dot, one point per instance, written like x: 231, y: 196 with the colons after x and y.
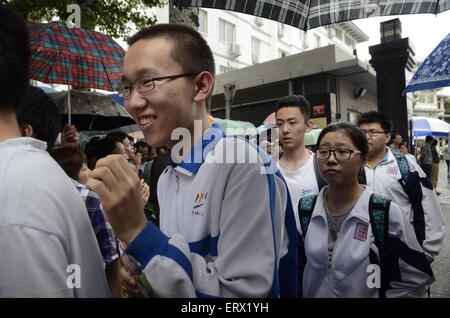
x: 270, y: 120
x: 73, y: 56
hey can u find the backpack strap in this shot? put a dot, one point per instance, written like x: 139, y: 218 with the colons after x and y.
x: 305, y: 210
x: 320, y: 180
x: 411, y: 184
x: 379, y: 220
x: 403, y: 165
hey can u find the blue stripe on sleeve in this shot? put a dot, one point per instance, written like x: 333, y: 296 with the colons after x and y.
x: 151, y: 242
x: 206, y: 246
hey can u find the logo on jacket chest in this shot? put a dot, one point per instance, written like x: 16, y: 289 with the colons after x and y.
x: 200, y: 200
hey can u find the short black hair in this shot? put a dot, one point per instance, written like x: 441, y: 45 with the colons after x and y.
x: 295, y: 101
x: 14, y: 58
x: 357, y: 136
x: 376, y: 117
x: 104, y: 147
x: 119, y: 136
x: 190, y: 49
x: 428, y: 138
x: 39, y: 111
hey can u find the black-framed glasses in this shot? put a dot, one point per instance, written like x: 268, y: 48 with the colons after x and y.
x: 146, y: 84
x: 339, y: 153
x: 373, y: 132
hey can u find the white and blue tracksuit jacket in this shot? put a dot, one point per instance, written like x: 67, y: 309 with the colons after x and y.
x: 226, y: 229
x: 383, y: 179
x: 350, y: 273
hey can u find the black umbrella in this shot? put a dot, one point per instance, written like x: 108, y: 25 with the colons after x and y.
x: 308, y: 14
x: 92, y: 111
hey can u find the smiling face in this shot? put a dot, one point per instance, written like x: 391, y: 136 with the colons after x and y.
x: 291, y: 127
x: 340, y: 172
x: 171, y: 103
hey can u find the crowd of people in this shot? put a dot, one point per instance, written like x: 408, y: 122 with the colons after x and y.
x: 193, y: 217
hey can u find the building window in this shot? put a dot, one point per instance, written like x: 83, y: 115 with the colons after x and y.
x: 226, y: 31
x: 349, y: 41
x: 421, y: 99
x: 430, y: 99
x: 202, y: 21
x: 256, y: 50
x: 338, y: 33
x: 317, y: 40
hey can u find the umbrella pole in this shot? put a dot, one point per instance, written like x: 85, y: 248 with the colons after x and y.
x: 69, y: 104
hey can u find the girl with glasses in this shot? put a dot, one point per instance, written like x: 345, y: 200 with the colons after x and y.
x: 343, y: 256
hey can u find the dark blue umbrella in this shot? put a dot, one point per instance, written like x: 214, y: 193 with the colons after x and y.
x: 434, y: 72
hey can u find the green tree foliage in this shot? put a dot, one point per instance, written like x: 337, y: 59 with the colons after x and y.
x: 114, y: 17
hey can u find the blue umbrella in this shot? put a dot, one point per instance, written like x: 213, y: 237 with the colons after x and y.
x: 434, y: 72
x: 423, y: 126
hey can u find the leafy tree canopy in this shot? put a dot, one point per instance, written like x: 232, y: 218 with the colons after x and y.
x: 114, y: 17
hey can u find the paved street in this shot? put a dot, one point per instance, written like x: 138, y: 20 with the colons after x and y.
x: 441, y: 266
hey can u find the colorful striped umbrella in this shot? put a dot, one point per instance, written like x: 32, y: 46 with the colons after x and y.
x: 73, y: 56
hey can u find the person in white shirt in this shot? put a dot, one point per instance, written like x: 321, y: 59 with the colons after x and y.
x: 226, y: 226
x: 344, y: 257
x: 296, y: 164
x: 383, y: 176
x: 47, y: 245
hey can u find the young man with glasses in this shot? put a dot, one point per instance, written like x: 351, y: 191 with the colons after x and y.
x: 222, y: 224
x: 47, y: 245
x: 384, y: 176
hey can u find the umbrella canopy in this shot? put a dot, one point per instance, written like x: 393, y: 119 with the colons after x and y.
x: 311, y: 137
x: 434, y: 72
x: 307, y: 15
x: 270, y: 120
x: 423, y: 126
x: 236, y: 127
x: 73, y: 56
x: 92, y: 111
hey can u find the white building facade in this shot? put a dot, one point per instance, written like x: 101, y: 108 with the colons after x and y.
x: 240, y: 40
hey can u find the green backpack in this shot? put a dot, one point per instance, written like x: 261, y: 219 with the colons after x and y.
x: 379, y: 221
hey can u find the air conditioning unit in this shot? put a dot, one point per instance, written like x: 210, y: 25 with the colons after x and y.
x: 235, y: 50
x: 259, y: 21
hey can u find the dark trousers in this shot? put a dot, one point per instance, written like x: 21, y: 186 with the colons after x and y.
x: 427, y: 169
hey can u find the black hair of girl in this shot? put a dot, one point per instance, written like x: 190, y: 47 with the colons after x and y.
x: 357, y: 136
